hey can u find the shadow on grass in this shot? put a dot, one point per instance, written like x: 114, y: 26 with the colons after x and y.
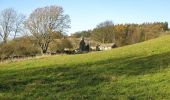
x: 81, y: 77
x: 136, y: 65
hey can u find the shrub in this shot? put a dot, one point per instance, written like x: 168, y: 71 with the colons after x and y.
x: 21, y: 47
x: 60, y: 45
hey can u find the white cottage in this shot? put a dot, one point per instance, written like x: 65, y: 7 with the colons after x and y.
x: 109, y: 46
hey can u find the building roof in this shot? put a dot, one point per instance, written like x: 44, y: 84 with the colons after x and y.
x: 107, y: 45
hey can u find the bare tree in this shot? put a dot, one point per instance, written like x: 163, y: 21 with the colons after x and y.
x: 43, y: 23
x: 19, y: 25
x: 7, y: 21
x: 105, y: 24
x: 104, y: 32
x: 11, y: 23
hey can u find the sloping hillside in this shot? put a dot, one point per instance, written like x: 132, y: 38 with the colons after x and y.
x: 140, y: 71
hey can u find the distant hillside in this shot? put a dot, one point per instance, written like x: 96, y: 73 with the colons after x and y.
x: 140, y: 71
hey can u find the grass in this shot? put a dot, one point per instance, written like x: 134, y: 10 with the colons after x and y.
x: 140, y: 71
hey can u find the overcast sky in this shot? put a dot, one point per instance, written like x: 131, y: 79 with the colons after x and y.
x: 86, y: 14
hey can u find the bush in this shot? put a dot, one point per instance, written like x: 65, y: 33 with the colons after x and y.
x: 21, y: 47
x: 25, y: 47
x: 6, y: 50
x: 60, y: 45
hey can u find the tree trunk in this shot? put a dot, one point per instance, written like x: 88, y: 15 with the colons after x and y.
x: 4, y: 41
x: 44, y: 48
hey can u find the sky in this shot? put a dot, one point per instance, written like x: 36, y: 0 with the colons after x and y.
x: 86, y: 14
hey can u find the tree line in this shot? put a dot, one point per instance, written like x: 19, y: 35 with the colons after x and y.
x: 124, y: 34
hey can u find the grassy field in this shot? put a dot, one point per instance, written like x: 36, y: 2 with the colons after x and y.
x: 140, y: 71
